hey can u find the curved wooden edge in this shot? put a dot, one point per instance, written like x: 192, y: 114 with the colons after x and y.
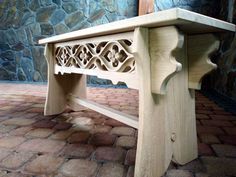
x: 55, y: 100
x: 154, y: 150
x: 163, y: 42
x: 59, y: 86
x: 200, y: 47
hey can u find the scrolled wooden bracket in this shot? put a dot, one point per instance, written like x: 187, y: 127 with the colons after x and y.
x: 200, y: 47
x: 163, y: 43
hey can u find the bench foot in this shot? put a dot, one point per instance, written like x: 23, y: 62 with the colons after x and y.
x: 60, y: 86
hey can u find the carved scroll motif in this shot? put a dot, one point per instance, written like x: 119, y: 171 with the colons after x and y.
x: 106, y: 56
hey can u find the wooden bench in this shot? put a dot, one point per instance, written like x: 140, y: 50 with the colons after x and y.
x: 164, y: 55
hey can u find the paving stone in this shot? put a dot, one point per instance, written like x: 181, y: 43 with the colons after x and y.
x: 103, y: 154
x: 202, y: 116
x: 16, y: 160
x: 44, y: 124
x: 101, y: 129
x: 20, y: 131
x: 223, y: 150
x: 82, y: 123
x: 18, y: 121
x: 103, y: 139
x: 222, y: 117
x: 63, y: 126
x: 6, y: 128
x: 2, y: 118
x: 11, y: 141
x: 77, y: 150
x: 44, y: 164
x: 40, y: 132
x: 193, y: 166
x: 79, y: 137
x: 4, y: 153
x: 113, y: 123
x: 123, y: 131
x: 61, y: 135
x: 209, y: 130
x: 219, y: 166
x: 79, y: 168
x: 98, y: 121
x: 111, y: 170
x: 217, y: 123
x: 42, y: 145
x: 48, y: 29
x: 28, y: 115
x: 230, y: 130
x: 205, y: 112
x: 178, y: 173
x: 209, y: 139
x: 130, y: 157
x: 231, y: 139
x: 126, y: 142
x: 130, y: 172
x: 201, y: 175
x: 15, y: 174
x: 204, y: 149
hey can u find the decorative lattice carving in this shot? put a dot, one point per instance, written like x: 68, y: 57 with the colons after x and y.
x: 107, y: 56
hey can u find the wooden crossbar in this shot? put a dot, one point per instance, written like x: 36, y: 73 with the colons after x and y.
x: 107, y: 111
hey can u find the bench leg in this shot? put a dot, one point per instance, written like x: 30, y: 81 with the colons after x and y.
x: 154, y: 151
x: 167, y: 128
x: 60, y: 86
x: 180, y: 101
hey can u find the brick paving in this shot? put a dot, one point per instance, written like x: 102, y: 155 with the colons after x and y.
x: 88, y: 144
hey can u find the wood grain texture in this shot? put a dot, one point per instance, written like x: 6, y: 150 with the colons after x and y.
x: 99, y: 56
x: 114, y: 114
x: 180, y: 101
x: 163, y: 43
x: 145, y: 7
x: 188, y: 22
x: 131, y: 80
x: 200, y: 47
x: 59, y: 86
x: 56, y: 100
x: 154, y: 151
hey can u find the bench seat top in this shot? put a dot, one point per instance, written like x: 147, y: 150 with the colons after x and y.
x: 187, y: 21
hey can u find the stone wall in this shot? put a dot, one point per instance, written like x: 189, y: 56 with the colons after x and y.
x: 24, y: 22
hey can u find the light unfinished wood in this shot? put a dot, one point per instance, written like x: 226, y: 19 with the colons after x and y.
x: 131, y: 80
x: 59, y: 86
x: 163, y: 44
x: 96, y: 56
x: 145, y: 7
x: 55, y: 100
x: 154, y: 151
x: 117, y: 115
x: 180, y: 102
x: 200, y: 47
x: 113, y: 55
x: 188, y: 22
x: 166, y: 64
x: 97, y: 39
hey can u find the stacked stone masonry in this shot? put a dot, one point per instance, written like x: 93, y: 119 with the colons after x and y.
x: 23, y: 22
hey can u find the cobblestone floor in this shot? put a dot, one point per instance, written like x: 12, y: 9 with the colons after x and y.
x: 88, y: 144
